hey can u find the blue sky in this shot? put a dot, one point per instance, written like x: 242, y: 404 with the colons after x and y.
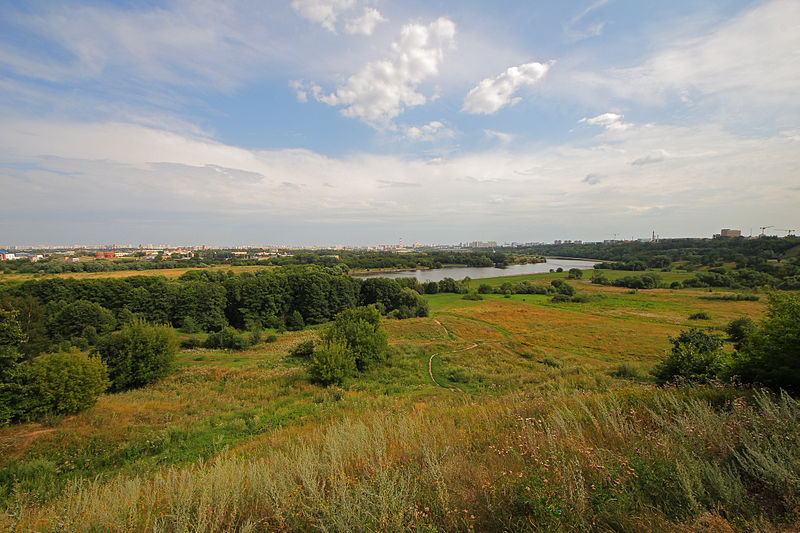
x: 361, y: 122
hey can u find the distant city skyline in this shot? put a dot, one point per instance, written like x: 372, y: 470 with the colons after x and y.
x: 363, y: 121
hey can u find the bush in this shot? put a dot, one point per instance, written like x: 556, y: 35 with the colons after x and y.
x: 562, y: 287
x: 190, y: 325
x: 271, y: 338
x: 739, y: 330
x: 227, y: 339
x: 360, y: 332
x: 695, y: 357
x: 702, y: 315
x: 191, y: 343
x: 331, y: 364
x: 472, y: 296
x: 295, y: 322
x: 64, y: 383
x: 561, y: 298
x: 575, y: 273
x: 483, y: 288
x: 139, y: 354
x: 771, y: 354
x: 304, y: 350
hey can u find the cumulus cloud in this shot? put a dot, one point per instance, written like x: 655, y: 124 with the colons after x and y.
x: 323, y: 12
x: 592, y: 179
x: 381, y: 90
x: 491, y: 94
x: 365, y: 24
x: 610, y: 121
x: 432, y: 131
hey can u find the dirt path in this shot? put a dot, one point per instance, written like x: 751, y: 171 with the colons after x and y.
x: 430, y: 361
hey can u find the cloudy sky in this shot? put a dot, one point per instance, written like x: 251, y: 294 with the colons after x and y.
x: 368, y: 121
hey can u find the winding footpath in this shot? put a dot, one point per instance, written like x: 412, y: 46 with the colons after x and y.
x: 430, y: 361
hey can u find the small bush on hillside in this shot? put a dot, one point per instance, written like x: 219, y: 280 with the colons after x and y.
x: 359, y: 330
x: 472, y: 296
x: 483, y: 288
x: 64, y: 383
x: 255, y: 337
x: 702, y: 315
x: 139, y: 354
x: 304, y: 350
x: 575, y: 273
x: 561, y: 298
x: 190, y: 325
x: 295, y: 322
x: 562, y: 287
x: 771, y: 354
x: 331, y: 364
x: 739, y: 330
x: 695, y: 357
x: 271, y: 338
x: 191, y: 343
x: 227, y: 339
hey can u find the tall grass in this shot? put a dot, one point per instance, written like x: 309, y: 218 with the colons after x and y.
x: 629, y: 460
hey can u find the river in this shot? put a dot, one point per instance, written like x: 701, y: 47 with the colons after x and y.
x: 459, y: 273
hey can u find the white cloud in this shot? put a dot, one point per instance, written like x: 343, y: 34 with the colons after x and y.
x: 365, y: 24
x: 381, y: 90
x: 499, y: 135
x: 750, y: 61
x: 53, y: 170
x: 611, y: 121
x: 432, y: 131
x: 576, y: 31
x: 323, y: 12
x: 491, y: 94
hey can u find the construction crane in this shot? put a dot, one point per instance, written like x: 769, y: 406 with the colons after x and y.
x: 762, y: 228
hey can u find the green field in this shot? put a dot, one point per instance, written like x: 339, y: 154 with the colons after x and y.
x: 542, y: 416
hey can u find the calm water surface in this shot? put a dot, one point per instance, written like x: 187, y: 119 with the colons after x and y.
x: 459, y: 273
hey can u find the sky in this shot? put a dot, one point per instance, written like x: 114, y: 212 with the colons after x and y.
x: 359, y: 122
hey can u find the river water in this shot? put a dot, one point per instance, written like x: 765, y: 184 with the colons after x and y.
x: 459, y: 273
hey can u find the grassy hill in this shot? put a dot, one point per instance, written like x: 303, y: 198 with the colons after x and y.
x: 508, y: 413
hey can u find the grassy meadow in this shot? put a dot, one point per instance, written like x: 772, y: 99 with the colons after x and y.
x: 543, y: 417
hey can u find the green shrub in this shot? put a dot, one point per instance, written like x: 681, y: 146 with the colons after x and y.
x: 191, y: 343
x: 472, y: 296
x: 575, y: 273
x: 226, y: 339
x: 64, y: 383
x: 702, y: 315
x: 255, y: 337
x: 359, y: 330
x: 295, y: 322
x: 271, y: 338
x: 190, y: 325
x: 771, y: 354
x: 331, y: 364
x: 483, y: 288
x: 139, y: 354
x: 695, y: 357
x: 739, y: 330
x: 303, y: 350
x: 562, y: 287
